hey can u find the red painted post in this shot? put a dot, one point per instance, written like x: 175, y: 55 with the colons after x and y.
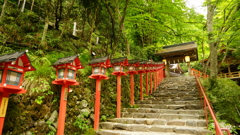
x: 62, y: 110
x: 3, y: 105
x: 141, y: 86
x: 97, y: 104
x: 132, y: 89
x: 150, y: 82
x: 147, y: 83
x: 118, y: 96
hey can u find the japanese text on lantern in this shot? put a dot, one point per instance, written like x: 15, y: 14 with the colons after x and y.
x: 3, y: 107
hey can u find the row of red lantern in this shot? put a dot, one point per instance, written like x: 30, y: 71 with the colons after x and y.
x: 121, y: 66
x: 14, y: 65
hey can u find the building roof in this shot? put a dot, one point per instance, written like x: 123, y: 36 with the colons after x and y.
x: 133, y: 61
x: 11, y: 56
x: 65, y: 60
x: 176, y: 53
x: 98, y: 60
x: 117, y: 60
x: 14, y: 56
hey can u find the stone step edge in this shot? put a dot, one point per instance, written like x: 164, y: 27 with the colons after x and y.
x: 122, y: 132
x: 159, y: 126
x: 151, y: 121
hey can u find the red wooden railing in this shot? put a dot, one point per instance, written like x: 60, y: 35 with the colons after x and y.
x: 199, y: 73
x: 207, y: 106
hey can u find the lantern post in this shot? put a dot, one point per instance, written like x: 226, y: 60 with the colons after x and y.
x: 141, y: 70
x: 66, y: 75
x: 154, y: 76
x: 147, y: 69
x: 132, y: 64
x: 99, y: 67
x: 12, y: 69
x: 118, y: 70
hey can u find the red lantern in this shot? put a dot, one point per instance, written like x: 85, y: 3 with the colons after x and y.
x: 66, y: 75
x: 12, y: 69
x: 118, y: 70
x: 99, y: 66
x: 132, y: 64
x: 141, y: 70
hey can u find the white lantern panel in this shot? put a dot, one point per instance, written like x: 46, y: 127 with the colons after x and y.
x: 13, y: 77
x: 70, y: 74
x: 103, y: 70
x: 131, y: 68
x: 187, y: 58
x: 117, y: 68
x: 96, y: 70
x: 60, y: 73
x: 1, y: 74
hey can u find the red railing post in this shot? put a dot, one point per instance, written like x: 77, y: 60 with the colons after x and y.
x: 141, y: 86
x: 132, y: 89
x: 150, y: 82
x: 147, y: 83
x: 155, y: 81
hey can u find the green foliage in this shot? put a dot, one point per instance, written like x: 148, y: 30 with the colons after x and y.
x: 90, y: 131
x: 224, y: 95
x: 82, y: 123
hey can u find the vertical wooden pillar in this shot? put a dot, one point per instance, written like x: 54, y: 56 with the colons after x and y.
x: 97, y: 104
x: 118, y: 96
x: 147, y: 83
x: 150, y: 82
x: 3, y: 109
x: 62, y: 110
x: 141, y: 86
x: 132, y: 89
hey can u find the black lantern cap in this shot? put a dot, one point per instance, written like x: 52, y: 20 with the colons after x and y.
x: 133, y: 61
x: 11, y: 56
x: 98, y: 60
x: 117, y: 60
x: 65, y: 60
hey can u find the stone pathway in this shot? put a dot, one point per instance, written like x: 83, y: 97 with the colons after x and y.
x: 174, y: 109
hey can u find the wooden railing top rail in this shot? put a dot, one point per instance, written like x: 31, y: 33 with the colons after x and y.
x: 207, y: 105
x: 230, y: 75
x: 199, y: 73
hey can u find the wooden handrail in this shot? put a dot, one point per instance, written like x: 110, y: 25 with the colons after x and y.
x: 199, y: 73
x: 207, y: 105
x: 230, y: 75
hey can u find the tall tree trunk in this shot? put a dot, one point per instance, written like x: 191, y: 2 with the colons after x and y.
x: 23, y: 6
x: 3, y: 9
x: 213, y: 45
x: 19, y: 1
x: 32, y: 4
x: 43, y: 43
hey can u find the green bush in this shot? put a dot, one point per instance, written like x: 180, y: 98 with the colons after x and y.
x: 224, y: 95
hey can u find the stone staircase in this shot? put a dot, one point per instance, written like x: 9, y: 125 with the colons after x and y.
x: 174, y: 109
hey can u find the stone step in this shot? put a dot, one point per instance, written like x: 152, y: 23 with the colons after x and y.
x: 180, y: 92
x: 164, y: 101
x: 174, y: 98
x: 161, y: 116
x: 163, y: 111
x: 154, y: 121
x: 154, y: 128
x: 122, y: 132
x: 171, y: 106
x: 174, y: 94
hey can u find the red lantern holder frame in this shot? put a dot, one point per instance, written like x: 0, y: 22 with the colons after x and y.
x: 17, y: 62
